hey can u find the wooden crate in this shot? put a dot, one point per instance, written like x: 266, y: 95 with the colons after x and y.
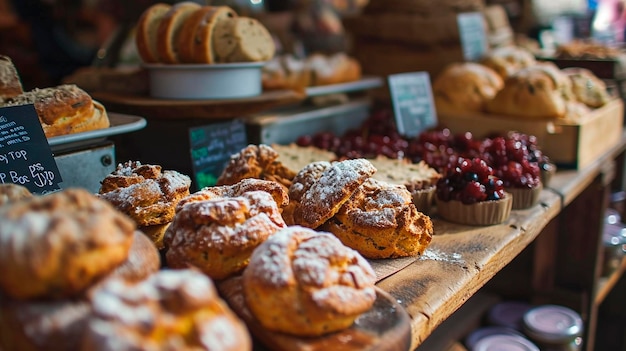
x: 568, y: 144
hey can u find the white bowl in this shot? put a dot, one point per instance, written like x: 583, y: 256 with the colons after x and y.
x: 204, y: 81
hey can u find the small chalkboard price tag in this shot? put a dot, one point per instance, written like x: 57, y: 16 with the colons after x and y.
x: 413, y: 105
x: 473, y: 35
x: 25, y: 156
x: 211, y: 148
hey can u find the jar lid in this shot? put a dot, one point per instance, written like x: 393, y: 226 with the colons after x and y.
x: 508, y: 314
x: 552, y: 323
x: 478, y: 334
x: 504, y: 343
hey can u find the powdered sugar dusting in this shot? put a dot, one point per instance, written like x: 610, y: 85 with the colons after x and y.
x: 437, y: 255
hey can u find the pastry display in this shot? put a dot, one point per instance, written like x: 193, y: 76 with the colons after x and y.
x: 189, y: 33
x: 288, y: 72
x: 142, y: 261
x: 507, y: 60
x: 469, y: 193
x: 585, y: 49
x: 147, y: 194
x: 170, y: 310
x: 540, y: 91
x: 466, y: 86
x: 10, y: 82
x: 307, y: 283
x: 259, y: 162
x: 218, y: 235
x: 50, y: 224
x: 10, y: 192
x: 64, y: 109
x: 296, y: 157
x: 381, y: 221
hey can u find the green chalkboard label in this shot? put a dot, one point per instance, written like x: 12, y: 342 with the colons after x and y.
x: 413, y: 105
x: 25, y: 155
x: 211, y: 148
x: 473, y: 35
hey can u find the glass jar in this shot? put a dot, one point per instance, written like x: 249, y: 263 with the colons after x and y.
x: 501, y: 342
x: 554, y: 328
x: 508, y: 314
x: 478, y: 334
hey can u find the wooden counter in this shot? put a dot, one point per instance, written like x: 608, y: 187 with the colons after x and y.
x: 462, y: 259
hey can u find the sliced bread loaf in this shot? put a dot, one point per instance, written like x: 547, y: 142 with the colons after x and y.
x: 243, y: 39
x: 146, y: 37
x: 203, y: 49
x: 169, y: 29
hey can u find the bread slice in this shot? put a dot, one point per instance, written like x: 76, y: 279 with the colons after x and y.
x: 146, y: 37
x: 243, y: 39
x: 169, y: 29
x: 203, y: 50
x: 10, y: 83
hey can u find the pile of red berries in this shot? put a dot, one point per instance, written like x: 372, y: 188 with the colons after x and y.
x: 469, y: 181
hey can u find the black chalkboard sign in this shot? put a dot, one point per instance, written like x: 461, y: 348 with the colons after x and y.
x: 25, y: 156
x: 413, y: 105
x: 211, y: 148
x: 473, y: 35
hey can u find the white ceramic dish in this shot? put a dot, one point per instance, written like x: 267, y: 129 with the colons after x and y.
x: 200, y: 81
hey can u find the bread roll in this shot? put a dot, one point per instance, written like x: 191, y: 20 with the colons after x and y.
x: 203, y: 46
x: 10, y: 82
x: 147, y: 32
x: 143, y: 260
x: 540, y: 91
x: 242, y: 39
x: 62, y: 242
x: 587, y: 87
x: 10, y: 192
x: 306, y: 283
x: 332, y: 69
x: 169, y: 29
x: 465, y: 87
x: 507, y: 60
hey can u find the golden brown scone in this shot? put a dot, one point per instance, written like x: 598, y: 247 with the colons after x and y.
x: 156, y: 233
x: 324, y: 196
x: 302, y: 182
x: 256, y: 161
x: 286, y: 72
x: 145, y: 192
x: 34, y: 325
x: 63, y: 242
x: 466, y: 86
x: 381, y: 221
x: 218, y: 236
x: 332, y: 69
x: 507, y: 60
x: 10, y: 82
x: 147, y: 36
x: 273, y: 188
x: 171, y: 310
x: 587, y: 87
x: 541, y: 91
x: 307, y: 283
x: 10, y: 192
x: 143, y: 260
x: 64, y: 109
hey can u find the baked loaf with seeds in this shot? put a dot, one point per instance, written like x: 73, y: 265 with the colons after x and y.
x: 195, y: 43
x: 10, y: 82
x: 466, y: 86
x: 242, y: 39
x: 169, y: 29
x: 64, y: 109
x: 587, y: 87
x: 53, y: 239
x: 541, y: 91
x: 507, y: 60
x: 171, y: 310
x: 307, y: 283
x: 147, y: 194
x: 147, y: 31
x: 256, y: 161
x: 321, y: 188
x: 218, y: 236
x: 381, y: 221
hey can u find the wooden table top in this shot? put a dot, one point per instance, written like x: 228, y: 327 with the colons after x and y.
x: 461, y: 259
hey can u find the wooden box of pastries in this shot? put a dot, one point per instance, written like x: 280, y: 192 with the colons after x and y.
x: 570, y: 111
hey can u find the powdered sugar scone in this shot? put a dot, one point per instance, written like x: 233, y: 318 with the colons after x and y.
x: 381, y: 221
x: 62, y: 242
x: 147, y: 194
x: 307, y: 283
x: 10, y: 192
x: 256, y: 161
x: 170, y: 310
x: 218, y: 235
x: 326, y: 189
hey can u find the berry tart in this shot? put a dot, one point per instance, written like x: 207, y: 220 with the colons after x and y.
x: 470, y: 193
